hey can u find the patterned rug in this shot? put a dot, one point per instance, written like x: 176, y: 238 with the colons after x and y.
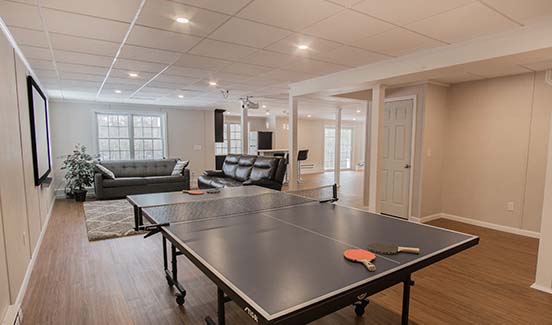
x: 109, y: 219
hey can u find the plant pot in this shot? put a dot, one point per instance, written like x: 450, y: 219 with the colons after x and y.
x: 80, y: 196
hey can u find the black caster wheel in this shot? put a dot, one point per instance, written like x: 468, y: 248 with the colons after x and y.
x: 180, y: 299
x: 359, y: 310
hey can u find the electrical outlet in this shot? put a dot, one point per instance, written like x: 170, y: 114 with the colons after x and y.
x: 510, y: 206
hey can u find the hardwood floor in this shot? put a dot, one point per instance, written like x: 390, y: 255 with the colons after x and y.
x: 120, y: 281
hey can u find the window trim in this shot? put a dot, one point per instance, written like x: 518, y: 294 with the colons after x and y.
x: 130, y: 114
x: 352, y: 128
x: 228, y: 141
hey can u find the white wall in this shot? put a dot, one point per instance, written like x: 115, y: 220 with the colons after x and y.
x: 74, y: 122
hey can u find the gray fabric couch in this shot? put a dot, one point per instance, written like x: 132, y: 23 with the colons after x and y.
x: 244, y: 170
x: 138, y: 177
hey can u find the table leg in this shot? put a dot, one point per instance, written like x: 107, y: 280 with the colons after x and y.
x: 406, y: 300
x: 220, y: 306
x: 136, y: 217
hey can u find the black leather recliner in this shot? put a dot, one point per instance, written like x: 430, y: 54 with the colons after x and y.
x: 243, y: 170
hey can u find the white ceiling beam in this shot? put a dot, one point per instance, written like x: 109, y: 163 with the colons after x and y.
x: 530, y: 38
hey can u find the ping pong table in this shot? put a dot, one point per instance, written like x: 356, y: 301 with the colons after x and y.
x: 279, y: 256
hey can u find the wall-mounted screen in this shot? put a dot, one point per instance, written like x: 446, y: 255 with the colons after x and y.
x: 40, y: 137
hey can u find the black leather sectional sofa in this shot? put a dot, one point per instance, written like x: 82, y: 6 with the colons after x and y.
x: 243, y: 170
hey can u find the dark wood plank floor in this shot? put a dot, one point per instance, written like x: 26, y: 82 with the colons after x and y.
x: 120, y: 281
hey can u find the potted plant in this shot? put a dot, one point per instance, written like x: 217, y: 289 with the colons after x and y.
x: 79, y: 174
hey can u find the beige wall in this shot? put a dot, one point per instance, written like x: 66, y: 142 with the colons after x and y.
x: 24, y: 207
x: 432, y: 152
x: 495, y: 147
x: 73, y: 123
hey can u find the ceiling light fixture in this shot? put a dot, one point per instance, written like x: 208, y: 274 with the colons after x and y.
x: 264, y: 106
x: 212, y: 83
x: 302, y: 47
x: 182, y: 20
x: 133, y: 74
x: 118, y: 91
x: 267, y: 112
x: 358, y: 111
x: 309, y: 115
x: 354, y: 118
x: 180, y: 96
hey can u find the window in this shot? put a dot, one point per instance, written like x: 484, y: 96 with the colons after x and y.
x: 346, y: 148
x: 253, y: 145
x: 232, y: 140
x: 130, y: 136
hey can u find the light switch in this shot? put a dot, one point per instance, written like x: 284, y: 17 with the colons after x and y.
x: 510, y: 206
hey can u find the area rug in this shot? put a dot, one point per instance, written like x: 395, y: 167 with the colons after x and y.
x: 109, y: 219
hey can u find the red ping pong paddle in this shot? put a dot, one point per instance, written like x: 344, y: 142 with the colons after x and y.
x: 361, y: 256
x: 193, y: 192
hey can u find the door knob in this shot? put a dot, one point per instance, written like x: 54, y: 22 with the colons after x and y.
x: 407, y: 166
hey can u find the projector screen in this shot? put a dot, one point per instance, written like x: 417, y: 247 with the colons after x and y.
x: 40, y: 137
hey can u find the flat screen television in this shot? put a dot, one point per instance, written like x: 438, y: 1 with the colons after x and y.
x: 40, y: 136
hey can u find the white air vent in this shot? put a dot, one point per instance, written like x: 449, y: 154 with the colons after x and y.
x: 548, y: 77
x: 307, y: 166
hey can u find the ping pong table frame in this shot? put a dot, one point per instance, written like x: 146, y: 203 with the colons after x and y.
x: 356, y: 296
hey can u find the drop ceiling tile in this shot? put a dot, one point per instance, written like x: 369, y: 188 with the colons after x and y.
x: 201, y: 62
x: 267, y: 58
x: 176, y: 80
x: 79, y: 84
x: 314, y: 67
x: 124, y: 74
x: 286, y: 75
x: 398, y: 12
x: 20, y: 15
x: 79, y: 68
x: 347, y: 27
x: 162, y: 14
x: 132, y: 65
x: 160, y: 39
x: 522, y: 10
x: 221, y: 50
x: 246, y: 69
x: 31, y: 37
x: 493, y: 70
x: 397, y: 42
x: 134, y: 83
x: 81, y: 76
x: 289, y: 45
x: 226, y: 6
x: 85, y: 26
x: 148, y: 54
x: 154, y: 91
x: 40, y: 53
x: 170, y: 85
x: 41, y: 64
x: 122, y: 10
x: 350, y: 56
x: 187, y: 72
x: 463, y: 23
x: 45, y: 74
x: 231, y: 77
x: 245, y: 32
x: 83, y: 45
x: 289, y: 14
x: 81, y: 58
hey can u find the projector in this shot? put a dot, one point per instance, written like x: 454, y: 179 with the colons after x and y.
x: 246, y: 103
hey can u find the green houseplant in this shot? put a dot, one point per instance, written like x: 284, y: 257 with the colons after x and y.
x: 79, y: 167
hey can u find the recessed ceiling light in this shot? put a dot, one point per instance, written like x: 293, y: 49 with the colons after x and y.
x: 309, y: 115
x: 267, y: 112
x: 118, y: 91
x: 132, y: 74
x: 354, y: 118
x: 302, y: 47
x: 358, y: 111
x: 212, y: 83
x: 182, y: 20
x: 264, y: 106
x: 180, y: 96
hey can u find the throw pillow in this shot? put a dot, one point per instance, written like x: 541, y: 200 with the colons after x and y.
x: 179, y: 167
x: 105, y: 171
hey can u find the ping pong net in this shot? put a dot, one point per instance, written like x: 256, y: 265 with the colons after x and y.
x: 216, y: 208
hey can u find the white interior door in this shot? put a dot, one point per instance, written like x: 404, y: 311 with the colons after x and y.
x: 395, y: 171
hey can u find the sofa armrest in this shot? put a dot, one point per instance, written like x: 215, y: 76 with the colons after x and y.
x: 98, y: 185
x: 264, y: 183
x: 214, y: 173
x: 187, y: 177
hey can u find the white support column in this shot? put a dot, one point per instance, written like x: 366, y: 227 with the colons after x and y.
x: 337, y: 156
x: 245, y: 131
x: 372, y: 164
x: 543, y: 279
x: 292, y: 142
x: 367, y: 148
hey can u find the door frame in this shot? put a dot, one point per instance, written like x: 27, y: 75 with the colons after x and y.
x: 352, y: 128
x: 413, y: 142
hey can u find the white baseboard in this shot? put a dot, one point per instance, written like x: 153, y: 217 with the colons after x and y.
x: 12, y: 313
x: 512, y: 230
x: 541, y: 288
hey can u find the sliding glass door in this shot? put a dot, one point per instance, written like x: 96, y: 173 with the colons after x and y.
x: 346, y: 148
